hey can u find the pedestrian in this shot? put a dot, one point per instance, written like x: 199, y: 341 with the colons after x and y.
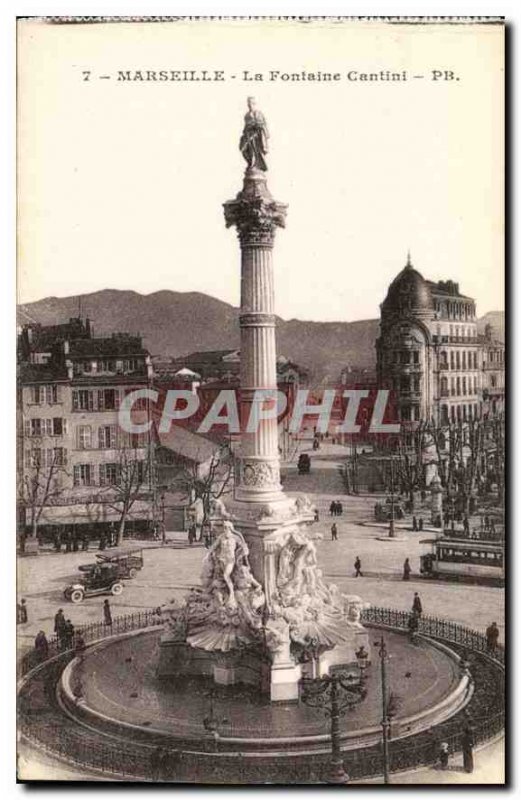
x: 444, y: 755
x: 317, y: 519
x: 41, y: 646
x: 59, y: 627
x: 467, y: 744
x: 414, y: 524
x: 85, y: 539
x: 412, y: 626
x: 102, y: 541
x: 57, y: 542
x: 340, y: 508
x: 417, y: 604
x: 22, y: 612
x: 406, y: 570
x: 358, y: 567
x: 68, y: 541
x: 492, y: 635
x: 466, y: 526
x: 68, y: 635
x: 420, y: 524
x: 487, y: 522
x: 332, y: 508
x: 75, y: 540
x: 446, y: 519
x: 162, y: 528
x: 107, y: 613
x: 334, y: 532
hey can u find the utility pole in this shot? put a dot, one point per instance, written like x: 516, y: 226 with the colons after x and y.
x: 391, y: 521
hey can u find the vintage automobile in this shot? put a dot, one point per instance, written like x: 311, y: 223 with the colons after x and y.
x: 99, y: 579
x: 304, y: 464
x: 128, y: 562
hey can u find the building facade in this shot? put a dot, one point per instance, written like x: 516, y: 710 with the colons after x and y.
x: 76, y: 465
x: 429, y: 352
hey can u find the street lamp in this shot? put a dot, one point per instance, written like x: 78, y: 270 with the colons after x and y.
x: 335, y: 694
x: 388, y: 706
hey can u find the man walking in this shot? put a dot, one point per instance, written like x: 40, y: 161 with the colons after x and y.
x: 68, y: 635
x: 334, y: 532
x: 107, y: 613
x: 406, y: 570
x: 417, y: 604
x: 358, y: 567
x: 41, y: 645
x: 59, y: 627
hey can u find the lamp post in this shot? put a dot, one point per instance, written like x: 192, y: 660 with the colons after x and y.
x: 335, y: 694
x: 388, y: 706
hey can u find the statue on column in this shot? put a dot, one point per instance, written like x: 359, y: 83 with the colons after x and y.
x: 254, y: 139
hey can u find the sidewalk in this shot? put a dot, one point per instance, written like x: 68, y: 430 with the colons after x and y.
x: 489, y: 768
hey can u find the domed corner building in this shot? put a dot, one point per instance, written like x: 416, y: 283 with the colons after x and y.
x: 428, y: 351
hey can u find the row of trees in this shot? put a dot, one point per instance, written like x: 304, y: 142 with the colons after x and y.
x: 47, y: 483
x: 469, y: 457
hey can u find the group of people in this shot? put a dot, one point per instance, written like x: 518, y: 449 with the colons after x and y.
x: 417, y: 524
x: 67, y: 637
x: 336, y: 508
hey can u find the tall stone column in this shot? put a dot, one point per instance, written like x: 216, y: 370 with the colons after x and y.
x: 256, y: 215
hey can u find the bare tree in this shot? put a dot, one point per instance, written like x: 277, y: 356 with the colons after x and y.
x: 207, y: 481
x: 41, y: 482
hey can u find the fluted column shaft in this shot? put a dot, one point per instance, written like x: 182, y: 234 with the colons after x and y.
x: 256, y: 216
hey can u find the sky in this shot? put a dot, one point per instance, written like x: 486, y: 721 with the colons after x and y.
x: 121, y: 183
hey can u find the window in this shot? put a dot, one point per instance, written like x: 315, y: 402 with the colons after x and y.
x: 405, y: 383
x: 493, y: 381
x: 107, y: 365
x: 84, y: 437
x: 60, y: 456
x: 464, y: 389
x: 458, y: 386
x: 82, y: 400
x: 464, y: 360
x: 404, y: 357
x: 108, y: 474
x: 452, y: 414
x: 38, y: 395
x: 52, y: 395
x: 415, y: 357
x: 458, y: 364
x: 107, y: 437
x: 406, y: 413
x: 453, y: 386
x: 130, y: 364
x: 83, y: 475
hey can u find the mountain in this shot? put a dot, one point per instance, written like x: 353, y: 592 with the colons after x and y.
x: 177, y: 323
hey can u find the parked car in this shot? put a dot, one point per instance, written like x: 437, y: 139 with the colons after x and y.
x: 304, y: 464
x: 99, y: 579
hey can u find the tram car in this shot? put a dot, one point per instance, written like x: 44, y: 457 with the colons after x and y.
x: 466, y: 559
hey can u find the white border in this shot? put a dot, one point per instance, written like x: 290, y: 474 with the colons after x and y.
x: 9, y: 10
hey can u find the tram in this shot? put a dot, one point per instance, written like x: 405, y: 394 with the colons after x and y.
x: 464, y: 559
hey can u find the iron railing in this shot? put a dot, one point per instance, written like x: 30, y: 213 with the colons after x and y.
x: 44, y: 725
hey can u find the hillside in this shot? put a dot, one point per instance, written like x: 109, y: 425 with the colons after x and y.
x: 176, y: 323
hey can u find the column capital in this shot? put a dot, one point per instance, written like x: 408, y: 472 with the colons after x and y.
x: 255, y: 213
